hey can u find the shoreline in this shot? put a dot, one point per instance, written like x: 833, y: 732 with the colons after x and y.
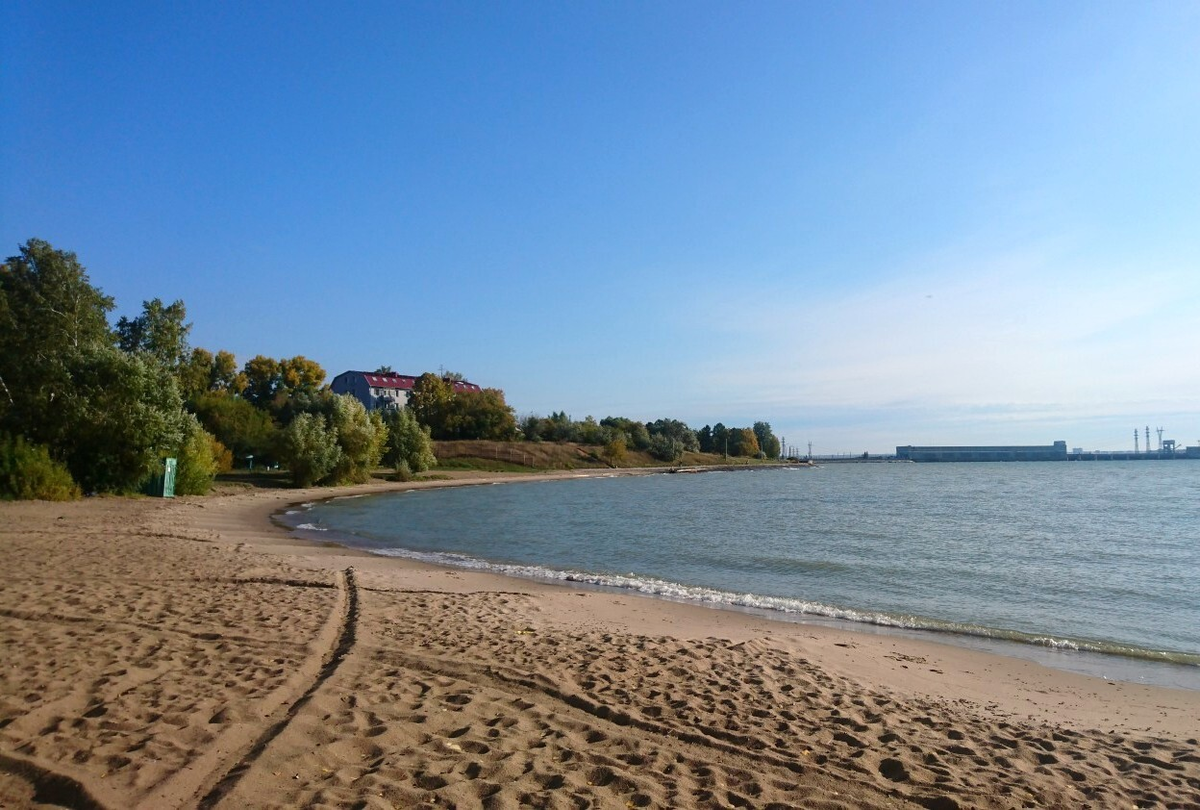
x: 1149, y: 667
x: 192, y: 653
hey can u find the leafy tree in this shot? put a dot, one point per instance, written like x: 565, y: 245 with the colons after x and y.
x: 480, y: 415
x: 767, y: 441
x: 198, y: 459
x: 408, y: 442
x: 360, y: 434
x: 159, y: 331
x: 743, y: 442
x: 720, y: 438
x: 225, y: 375
x: 195, y: 374
x: 430, y: 403
x: 704, y: 437
x: 300, y: 375
x: 531, y: 428
x: 49, y: 310
x: 677, y: 430
x: 263, y: 379
x: 308, y: 448
x: 238, y: 425
x: 665, y: 448
x: 383, y: 370
x: 119, y: 416
x: 615, y: 450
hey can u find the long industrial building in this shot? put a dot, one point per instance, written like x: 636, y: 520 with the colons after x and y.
x: 1048, y: 452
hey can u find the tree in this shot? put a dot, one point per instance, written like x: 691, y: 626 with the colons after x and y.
x: 309, y: 449
x: 49, y: 311
x: 704, y: 437
x: 480, y: 415
x: 195, y: 374
x: 767, y: 442
x: 121, y: 415
x: 743, y: 442
x: 615, y: 449
x: 159, y: 331
x: 720, y: 438
x: 225, y: 375
x: 430, y: 403
x: 238, y: 425
x: 677, y: 430
x: 198, y: 459
x: 300, y: 375
x: 665, y: 448
x: 408, y: 441
x: 360, y: 434
x: 262, y: 380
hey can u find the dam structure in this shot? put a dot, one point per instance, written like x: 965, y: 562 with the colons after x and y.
x: 1049, y: 452
x: 1037, y: 452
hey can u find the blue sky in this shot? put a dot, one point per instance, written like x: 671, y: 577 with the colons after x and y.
x: 869, y: 224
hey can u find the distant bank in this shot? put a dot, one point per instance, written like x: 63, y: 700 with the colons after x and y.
x: 1049, y: 452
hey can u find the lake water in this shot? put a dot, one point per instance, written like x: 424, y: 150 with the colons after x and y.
x: 1091, y: 566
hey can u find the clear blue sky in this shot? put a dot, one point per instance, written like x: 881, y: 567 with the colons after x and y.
x: 869, y: 224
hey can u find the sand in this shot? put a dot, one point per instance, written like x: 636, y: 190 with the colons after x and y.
x: 189, y: 653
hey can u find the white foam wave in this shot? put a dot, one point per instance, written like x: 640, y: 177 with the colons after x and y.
x: 312, y: 527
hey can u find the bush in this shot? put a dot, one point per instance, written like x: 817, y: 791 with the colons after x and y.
x: 198, y: 465
x: 403, y: 472
x: 665, y: 448
x: 309, y: 449
x: 408, y: 441
x: 28, y: 473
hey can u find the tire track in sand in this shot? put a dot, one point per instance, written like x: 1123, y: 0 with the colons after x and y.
x: 208, y: 779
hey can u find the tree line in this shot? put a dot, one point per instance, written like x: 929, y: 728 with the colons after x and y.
x: 85, y: 407
x: 89, y: 407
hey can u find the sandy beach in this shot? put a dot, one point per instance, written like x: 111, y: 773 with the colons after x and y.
x: 190, y: 653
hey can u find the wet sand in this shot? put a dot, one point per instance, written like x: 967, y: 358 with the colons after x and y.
x: 189, y: 653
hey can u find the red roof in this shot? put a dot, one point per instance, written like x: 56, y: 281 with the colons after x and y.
x: 405, y: 382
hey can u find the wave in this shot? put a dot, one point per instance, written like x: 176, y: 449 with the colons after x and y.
x: 675, y: 591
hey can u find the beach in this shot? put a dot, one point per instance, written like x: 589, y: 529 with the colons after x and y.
x: 191, y: 653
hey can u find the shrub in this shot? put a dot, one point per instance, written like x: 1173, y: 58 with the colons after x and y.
x: 27, y: 472
x: 309, y: 449
x: 408, y: 441
x: 665, y: 448
x: 403, y: 472
x: 197, y: 465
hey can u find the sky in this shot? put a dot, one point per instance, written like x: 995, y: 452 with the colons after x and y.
x: 869, y: 224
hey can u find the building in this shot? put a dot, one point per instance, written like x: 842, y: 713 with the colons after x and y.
x: 383, y: 391
x: 1049, y: 452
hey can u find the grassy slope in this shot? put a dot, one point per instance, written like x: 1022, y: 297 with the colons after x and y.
x: 516, y: 456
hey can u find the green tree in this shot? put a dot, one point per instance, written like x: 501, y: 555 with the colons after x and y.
x: 677, y: 430
x: 263, y: 380
x: 198, y: 461
x: 225, y: 375
x: 743, y: 442
x: 430, y: 403
x: 159, y: 331
x: 195, y: 374
x: 300, y: 375
x: 361, y: 436
x: 767, y: 441
x: 665, y: 448
x: 121, y: 415
x: 308, y: 448
x: 408, y: 441
x: 49, y: 311
x: 238, y: 425
x: 615, y: 450
x: 480, y: 415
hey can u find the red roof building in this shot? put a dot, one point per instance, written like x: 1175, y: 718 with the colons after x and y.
x: 383, y: 391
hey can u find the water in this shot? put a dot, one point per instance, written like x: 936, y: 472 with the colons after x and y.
x: 1095, y: 566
